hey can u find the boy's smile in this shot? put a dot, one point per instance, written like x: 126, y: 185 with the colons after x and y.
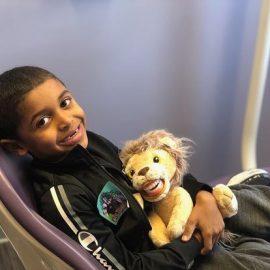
x: 52, y: 123
x: 74, y: 137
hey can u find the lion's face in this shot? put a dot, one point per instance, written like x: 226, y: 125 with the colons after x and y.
x: 151, y: 172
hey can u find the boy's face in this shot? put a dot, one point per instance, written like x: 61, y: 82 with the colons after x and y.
x: 52, y: 123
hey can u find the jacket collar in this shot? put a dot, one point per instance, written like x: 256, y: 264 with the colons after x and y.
x: 79, y: 155
x: 75, y: 156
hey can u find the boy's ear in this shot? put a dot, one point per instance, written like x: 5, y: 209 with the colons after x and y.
x: 13, y: 146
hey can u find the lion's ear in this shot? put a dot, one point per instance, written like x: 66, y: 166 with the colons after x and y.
x: 169, y: 142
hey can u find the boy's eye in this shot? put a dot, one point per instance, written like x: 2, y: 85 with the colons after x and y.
x: 65, y: 103
x: 42, y: 122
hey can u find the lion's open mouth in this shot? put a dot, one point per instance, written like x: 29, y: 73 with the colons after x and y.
x: 153, y: 188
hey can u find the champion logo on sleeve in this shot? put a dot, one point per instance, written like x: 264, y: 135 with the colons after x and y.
x: 112, y: 203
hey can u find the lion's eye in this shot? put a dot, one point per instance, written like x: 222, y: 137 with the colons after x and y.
x: 156, y: 159
x: 132, y: 172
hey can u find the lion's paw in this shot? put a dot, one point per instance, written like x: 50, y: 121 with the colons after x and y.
x: 159, y: 239
x: 226, y: 200
x: 175, y: 229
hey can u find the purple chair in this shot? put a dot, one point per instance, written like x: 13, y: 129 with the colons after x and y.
x: 38, y: 244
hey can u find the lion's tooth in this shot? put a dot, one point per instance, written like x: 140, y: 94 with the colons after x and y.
x: 153, y: 185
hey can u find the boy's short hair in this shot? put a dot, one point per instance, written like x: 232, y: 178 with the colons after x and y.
x: 14, y: 85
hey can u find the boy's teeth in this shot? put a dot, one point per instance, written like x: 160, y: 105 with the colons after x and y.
x: 72, y: 135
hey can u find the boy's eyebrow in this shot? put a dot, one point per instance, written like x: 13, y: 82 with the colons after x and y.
x: 44, y: 110
x: 63, y: 93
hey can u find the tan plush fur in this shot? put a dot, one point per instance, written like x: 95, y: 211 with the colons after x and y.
x: 178, y: 148
x: 156, y: 163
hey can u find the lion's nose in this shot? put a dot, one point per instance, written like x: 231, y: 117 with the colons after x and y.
x: 143, y: 171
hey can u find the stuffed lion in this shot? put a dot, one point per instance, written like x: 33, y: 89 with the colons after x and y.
x: 156, y: 163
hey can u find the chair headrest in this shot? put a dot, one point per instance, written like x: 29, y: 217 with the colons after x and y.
x: 17, y: 170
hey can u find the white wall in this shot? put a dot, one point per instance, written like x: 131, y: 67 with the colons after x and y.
x: 137, y: 65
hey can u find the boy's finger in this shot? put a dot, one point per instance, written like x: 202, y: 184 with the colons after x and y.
x: 207, y: 245
x: 189, y: 230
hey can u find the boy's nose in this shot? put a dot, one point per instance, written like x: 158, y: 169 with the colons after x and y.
x: 64, y: 121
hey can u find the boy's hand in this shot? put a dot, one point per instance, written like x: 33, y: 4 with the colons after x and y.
x: 198, y: 236
x: 206, y: 217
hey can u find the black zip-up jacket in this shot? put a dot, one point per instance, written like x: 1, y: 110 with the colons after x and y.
x: 87, y: 196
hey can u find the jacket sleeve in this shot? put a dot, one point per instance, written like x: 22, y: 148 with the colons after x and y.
x: 193, y: 186
x: 69, y: 208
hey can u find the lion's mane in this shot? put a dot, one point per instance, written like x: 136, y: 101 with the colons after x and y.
x: 180, y: 149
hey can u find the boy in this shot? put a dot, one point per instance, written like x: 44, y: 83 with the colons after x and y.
x: 79, y: 182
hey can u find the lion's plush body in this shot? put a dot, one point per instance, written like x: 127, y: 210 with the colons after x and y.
x: 173, y: 211
x: 156, y: 163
